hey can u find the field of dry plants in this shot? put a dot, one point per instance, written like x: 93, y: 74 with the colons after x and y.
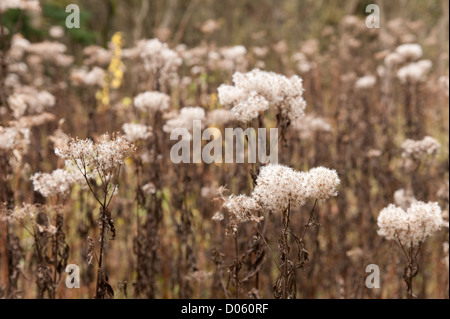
x: 356, y: 206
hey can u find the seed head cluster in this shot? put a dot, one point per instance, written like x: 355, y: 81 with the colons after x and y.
x: 411, y: 226
x: 104, y: 156
x: 256, y: 90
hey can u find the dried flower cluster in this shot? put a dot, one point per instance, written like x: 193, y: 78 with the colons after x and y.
x: 185, y: 119
x: 57, y: 183
x: 279, y: 187
x: 152, y: 102
x: 365, y: 82
x: 310, y: 124
x: 256, y: 90
x: 412, y: 226
x: 420, y: 149
x: 102, y: 157
x: 240, y: 209
x: 135, y: 132
x: 415, y: 72
x: 13, y: 138
x: 30, y: 101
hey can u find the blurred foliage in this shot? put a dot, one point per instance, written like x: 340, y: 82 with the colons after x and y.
x: 247, y: 22
x: 56, y: 15
x: 25, y: 24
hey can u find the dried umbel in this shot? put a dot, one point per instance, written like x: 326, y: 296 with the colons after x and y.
x: 279, y: 187
x: 32, y: 5
x: 415, y: 72
x: 135, y: 132
x: 57, y: 183
x: 152, y: 102
x: 56, y: 31
x: 249, y: 109
x: 412, y: 226
x: 417, y: 150
x: 96, y: 55
x: 33, y: 120
x: 366, y: 82
x: 302, y: 62
x: 20, y: 213
x: 409, y: 51
x: 102, y: 157
x: 231, y: 59
x: 220, y: 117
x: 12, y: 138
x: 160, y: 61
x: 240, y: 209
x: 310, y: 124
x: 93, y: 77
x: 269, y: 89
x: 185, y: 119
x: 28, y: 100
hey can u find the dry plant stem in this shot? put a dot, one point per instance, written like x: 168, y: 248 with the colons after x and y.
x: 412, y: 268
x: 311, y: 221
x: 236, y: 269
x: 104, y: 204
x: 285, y: 251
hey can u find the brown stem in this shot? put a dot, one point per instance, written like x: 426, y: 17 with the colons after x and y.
x: 285, y: 252
x: 100, y: 259
x: 236, y: 268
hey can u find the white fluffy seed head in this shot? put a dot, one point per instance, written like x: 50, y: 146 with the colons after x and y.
x: 412, y: 226
x: 278, y: 187
x: 284, y: 93
x: 249, y: 109
x: 152, y: 102
x: 415, y: 72
x: 416, y: 150
x: 57, y: 183
x: 366, y: 82
x: 410, y: 51
x: 310, y: 124
x: 322, y: 183
x: 135, y: 132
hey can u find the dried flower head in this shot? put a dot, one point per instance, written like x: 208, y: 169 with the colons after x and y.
x: 104, y: 156
x: 284, y: 93
x: 412, y: 226
x: 152, y: 102
x: 135, y: 132
x: 250, y: 108
x: 310, y: 124
x: 57, y: 183
x: 278, y: 187
x: 415, y: 72
x: 241, y: 209
x: 20, y: 213
x: 220, y: 117
x: 14, y: 138
x: 418, y: 150
x: 185, y: 119
x: 410, y: 51
x: 31, y: 101
x: 366, y: 82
